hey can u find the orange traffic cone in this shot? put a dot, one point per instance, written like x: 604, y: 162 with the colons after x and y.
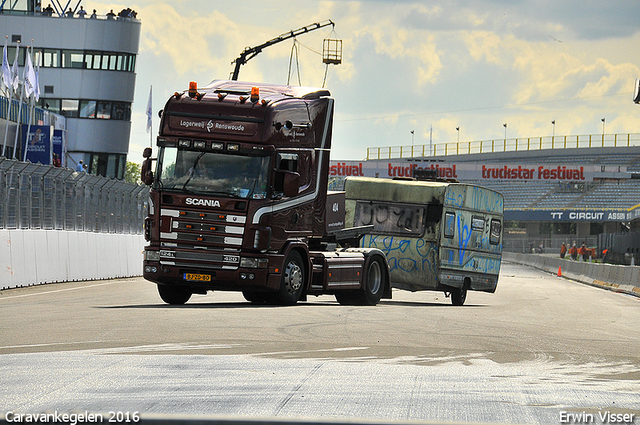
x: 559, y: 271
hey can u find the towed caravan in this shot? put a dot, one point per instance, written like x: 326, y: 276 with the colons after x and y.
x: 436, y: 235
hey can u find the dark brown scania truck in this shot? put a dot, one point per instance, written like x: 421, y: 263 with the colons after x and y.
x: 239, y: 200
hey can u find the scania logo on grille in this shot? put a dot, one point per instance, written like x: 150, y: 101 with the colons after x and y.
x: 203, y: 202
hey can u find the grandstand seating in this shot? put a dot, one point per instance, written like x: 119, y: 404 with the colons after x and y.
x: 544, y: 195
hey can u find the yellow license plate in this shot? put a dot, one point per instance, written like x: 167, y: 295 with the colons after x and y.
x: 197, y: 277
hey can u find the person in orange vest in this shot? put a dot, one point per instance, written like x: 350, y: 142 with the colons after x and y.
x: 574, y: 252
x: 563, y: 250
x: 584, y: 252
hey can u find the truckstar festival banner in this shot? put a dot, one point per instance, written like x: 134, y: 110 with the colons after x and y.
x: 475, y: 171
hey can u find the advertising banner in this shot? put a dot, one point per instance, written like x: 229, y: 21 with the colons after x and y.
x: 567, y: 215
x: 37, y: 144
x: 468, y: 171
x: 58, y: 148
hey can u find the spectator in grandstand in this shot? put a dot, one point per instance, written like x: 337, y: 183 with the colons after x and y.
x: 93, y: 15
x: 82, y: 13
x: 541, y: 248
x: 563, y: 249
x: 111, y: 15
x: 574, y: 251
x: 80, y: 167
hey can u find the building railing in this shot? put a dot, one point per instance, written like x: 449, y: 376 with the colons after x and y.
x: 64, y: 15
x: 9, y: 109
x: 506, y: 145
x: 34, y: 196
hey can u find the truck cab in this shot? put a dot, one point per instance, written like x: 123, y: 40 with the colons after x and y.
x: 239, y: 197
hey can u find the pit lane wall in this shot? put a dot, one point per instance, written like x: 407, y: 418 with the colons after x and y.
x: 625, y: 279
x: 33, y: 257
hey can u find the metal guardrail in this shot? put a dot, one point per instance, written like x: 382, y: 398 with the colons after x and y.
x: 34, y: 196
x: 9, y: 109
x: 506, y: 145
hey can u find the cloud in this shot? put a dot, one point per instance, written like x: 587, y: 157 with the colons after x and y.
x: 190, y: 41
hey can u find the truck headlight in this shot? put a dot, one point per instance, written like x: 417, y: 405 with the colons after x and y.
x: 254, y: 263
x: 152, y: 255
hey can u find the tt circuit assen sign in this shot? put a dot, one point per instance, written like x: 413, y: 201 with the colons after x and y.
x: 467, y: 171
x: 587, y: 215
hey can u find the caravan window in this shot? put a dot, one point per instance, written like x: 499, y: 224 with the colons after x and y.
x: 477, y: 223
x: 391, y: 219
x: 496, y: 229
x: 449, y: 225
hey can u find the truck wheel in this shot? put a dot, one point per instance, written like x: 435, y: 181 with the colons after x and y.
x: 372, y: 287
x: 459, y: 295
x: 174, y: 294
x: 373, y: 282
x: 293, y: 280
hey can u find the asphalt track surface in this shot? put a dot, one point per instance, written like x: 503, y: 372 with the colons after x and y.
x: 540, y: 349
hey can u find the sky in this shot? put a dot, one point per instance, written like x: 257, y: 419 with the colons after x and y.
x: 412, y: 71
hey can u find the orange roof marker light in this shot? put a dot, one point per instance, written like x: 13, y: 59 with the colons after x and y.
x: 255, y: 94
x: 193, y: 89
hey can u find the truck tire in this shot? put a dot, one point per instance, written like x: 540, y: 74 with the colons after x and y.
x: 372, y: 288
x: 293, y: 280
x: 174, y: 294
x: 373, y: 282
x: 459, y: 295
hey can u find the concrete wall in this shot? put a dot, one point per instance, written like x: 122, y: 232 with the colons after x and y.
x: 624, y: 279
x: 32, y: 257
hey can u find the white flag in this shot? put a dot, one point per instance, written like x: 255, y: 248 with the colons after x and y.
x: 149, y: 107
x: 6, y: 71
x: 14, y: 71
x: 29, y: 77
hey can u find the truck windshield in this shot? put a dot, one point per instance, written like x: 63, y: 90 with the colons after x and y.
x: 213, y: 173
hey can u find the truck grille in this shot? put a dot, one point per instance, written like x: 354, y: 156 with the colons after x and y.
x: 202, y: 239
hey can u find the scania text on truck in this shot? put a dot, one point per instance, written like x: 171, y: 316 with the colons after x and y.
x: 239, y: 200
x: 437, y: 235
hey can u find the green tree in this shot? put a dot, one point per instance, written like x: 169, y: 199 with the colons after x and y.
x: 132, y: 173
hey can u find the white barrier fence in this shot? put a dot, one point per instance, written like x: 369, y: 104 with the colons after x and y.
x: 32, y: 257
x: 624, y: 279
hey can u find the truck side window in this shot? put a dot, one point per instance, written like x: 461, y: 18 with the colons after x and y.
x: 284, y: 162
x: 449, y: 225
x: 496, y: 229
x: 287, y: 162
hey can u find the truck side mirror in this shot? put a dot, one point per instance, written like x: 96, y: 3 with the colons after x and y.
x: 287, y: 182
x: 146, y: 175
x: 291, y: 184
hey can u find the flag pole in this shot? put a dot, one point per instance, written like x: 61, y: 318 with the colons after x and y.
x: 15, y: 142
x: 10, y: 96
x: 32, y: 108
x: 149, y: 117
